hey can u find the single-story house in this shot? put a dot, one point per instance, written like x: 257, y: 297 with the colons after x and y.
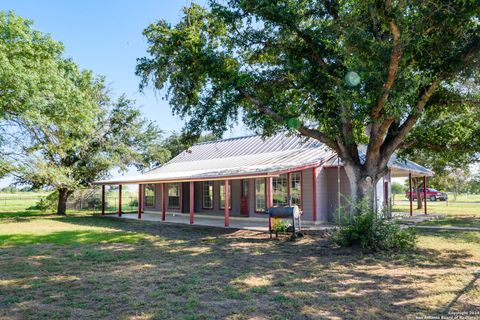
x: 260, y: 172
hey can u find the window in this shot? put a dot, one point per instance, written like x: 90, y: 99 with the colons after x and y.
x: 149, y: 195
x: 207, y: 192
x: 173, y: 195
x: 260, y: 195
x: 280, y: 190
x: 222, y: 195
x: 296, y: 188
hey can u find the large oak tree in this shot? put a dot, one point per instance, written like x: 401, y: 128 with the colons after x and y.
x: 59, y: 126
x: 281, y: 65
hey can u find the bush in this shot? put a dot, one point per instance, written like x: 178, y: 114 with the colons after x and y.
x: 94, y: 202
x: 48, y: 203
x: 369, y: 232
x: 279, y: 225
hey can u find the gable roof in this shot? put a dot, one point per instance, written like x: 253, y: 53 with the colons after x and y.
x: 244, y: 157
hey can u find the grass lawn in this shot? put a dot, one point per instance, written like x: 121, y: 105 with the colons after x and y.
x: 92, y: 267
x: 460, y: 213
x: 23, y: 204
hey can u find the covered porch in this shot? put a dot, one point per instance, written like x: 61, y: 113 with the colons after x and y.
x: 260, y: 224
x: 209, y: 202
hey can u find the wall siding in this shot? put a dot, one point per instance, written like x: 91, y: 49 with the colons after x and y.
x: 322, y: 195
x: 332, y: 191
x: 326, y: 195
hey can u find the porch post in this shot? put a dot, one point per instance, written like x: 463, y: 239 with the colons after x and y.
x: 140, y: 201
x: 269, y: 200
x: 191, y: 202
x: 164, y: 197
x: 270, y: 192
x: 425, y: 193
x: 411, y: 193
x: 119, y: 200
x: 314, y: 191
x: 227, y: 203
x: 103, y: 199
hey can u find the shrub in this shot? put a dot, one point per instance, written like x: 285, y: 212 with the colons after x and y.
x: 48, y: 203
x: 94, y: 202
x: 279, y: 225
x: 370, y: 232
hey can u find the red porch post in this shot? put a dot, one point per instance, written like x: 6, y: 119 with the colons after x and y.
x: 269, y: 200
x: 140, y: 201
x: 164, y: 197
x: 103, y: 199
x: 314, y: 187
x: 411, y: 193
x: 119, y: 200
x: 425, y: 193
x: 191, y: 202
x: 227, y: 203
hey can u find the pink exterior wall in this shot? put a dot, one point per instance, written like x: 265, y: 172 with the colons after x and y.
x: 326, y: 195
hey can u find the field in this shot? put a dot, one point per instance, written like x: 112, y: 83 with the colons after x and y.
x: 25, y: 204
x: 465, y: 212
x: 84, y: 267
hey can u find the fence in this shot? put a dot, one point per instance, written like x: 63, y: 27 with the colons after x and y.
x: 90, y: 202
x: 94, y: 204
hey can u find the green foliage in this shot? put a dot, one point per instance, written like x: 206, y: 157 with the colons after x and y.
x: 48, y: 203
x: 398, y: 188
x: 29, y: 61
x: 177, y: 143
x: 266, y: 62
x: 370, y: 232
x: 133, y: 203
x: 279, y: 225
x: 66, y: 131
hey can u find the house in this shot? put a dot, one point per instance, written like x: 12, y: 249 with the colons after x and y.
x: 259, y: 172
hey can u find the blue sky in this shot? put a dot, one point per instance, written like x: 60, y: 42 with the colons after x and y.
x: 106, y: 36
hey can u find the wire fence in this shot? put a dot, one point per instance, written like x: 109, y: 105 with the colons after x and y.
x: 91, y: 203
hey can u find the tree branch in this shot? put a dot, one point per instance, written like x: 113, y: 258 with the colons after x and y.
x: 391, y: 144
x: 308, y: 132
x: 395, y: 58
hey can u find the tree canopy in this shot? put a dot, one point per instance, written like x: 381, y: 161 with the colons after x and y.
x: 60, y: 127
x: 294, y: 66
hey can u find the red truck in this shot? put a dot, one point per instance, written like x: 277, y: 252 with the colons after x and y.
x: 432, y: 195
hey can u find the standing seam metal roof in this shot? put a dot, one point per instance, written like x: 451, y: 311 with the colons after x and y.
x: 248, y: 156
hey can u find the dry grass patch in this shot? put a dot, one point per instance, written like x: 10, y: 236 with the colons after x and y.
x: 84, y: 268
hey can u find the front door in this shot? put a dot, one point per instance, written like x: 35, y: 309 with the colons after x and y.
x: 244, y: 198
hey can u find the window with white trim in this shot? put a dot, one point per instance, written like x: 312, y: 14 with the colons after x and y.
x: 149, y: 195
x: 260, y: 195
x: 296, y: 188
x: 173, y: 195
x: 280, y: 190
x: 207, y: 192
x: 222, y: 195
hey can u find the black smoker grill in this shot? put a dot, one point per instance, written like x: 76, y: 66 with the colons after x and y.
x: 290, y: 212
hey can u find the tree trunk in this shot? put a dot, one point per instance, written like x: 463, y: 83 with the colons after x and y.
x: 63, y: 195
x: 419, y: 194
x: 361, y: 187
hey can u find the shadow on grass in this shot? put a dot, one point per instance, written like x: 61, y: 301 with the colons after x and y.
x: 71, y: 238
x: 203, y: 272
x: 457, y: 221
x: 22, y: 214
x: 454, y: 235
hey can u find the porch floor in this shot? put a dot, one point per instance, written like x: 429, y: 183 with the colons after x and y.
x: 245, y: 223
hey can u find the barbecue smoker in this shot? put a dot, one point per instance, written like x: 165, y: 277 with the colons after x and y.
x: 290, y: 212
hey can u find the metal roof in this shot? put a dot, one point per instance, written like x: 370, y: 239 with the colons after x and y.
x: 245, y: 157
x: 399, y: 167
